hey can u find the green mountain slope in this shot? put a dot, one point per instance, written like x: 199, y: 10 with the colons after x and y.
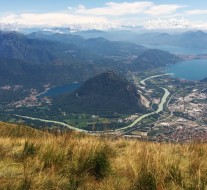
x: 14, y: 71
x: 105, y: 94
x: 154, y: 58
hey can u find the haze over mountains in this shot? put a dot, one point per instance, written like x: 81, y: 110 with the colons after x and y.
x: 195, y: 39
x: 189, y: 39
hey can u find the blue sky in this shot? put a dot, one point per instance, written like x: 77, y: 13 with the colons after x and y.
x: 54, y: 5
x: 102, y: 14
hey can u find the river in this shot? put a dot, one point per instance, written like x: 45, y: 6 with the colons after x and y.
x: 51, y: 121
x: 160, y: 109
x: 155, y: 76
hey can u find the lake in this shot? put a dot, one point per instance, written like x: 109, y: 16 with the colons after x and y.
x: 190, y: 70
x: 61, y: 90
x: 178, y: 50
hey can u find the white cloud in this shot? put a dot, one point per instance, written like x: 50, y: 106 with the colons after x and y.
x: 54, y: 19
x: 134, y: 8
x: 115, y: 9
x: 174, y: 23
x: 197, y: 12
x: 163, y: 9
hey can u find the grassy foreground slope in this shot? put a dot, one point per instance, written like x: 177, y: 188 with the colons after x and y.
x: 36, y: 160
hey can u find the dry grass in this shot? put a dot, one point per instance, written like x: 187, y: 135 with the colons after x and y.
x: 31, y: 159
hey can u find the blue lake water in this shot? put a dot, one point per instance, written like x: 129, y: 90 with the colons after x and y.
x: 61, y: 90
x: 190, y: 70
x: 178, y: 50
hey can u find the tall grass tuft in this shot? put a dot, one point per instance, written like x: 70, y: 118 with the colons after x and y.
x: 52, y: 157
x: 29, y: 149
x: 25, y: 184
x: 146, y: 181
x: 100, y: 163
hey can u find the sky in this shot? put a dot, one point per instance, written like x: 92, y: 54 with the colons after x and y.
x: 103, y: 14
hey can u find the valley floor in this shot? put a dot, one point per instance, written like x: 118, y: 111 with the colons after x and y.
x: 176, y: 110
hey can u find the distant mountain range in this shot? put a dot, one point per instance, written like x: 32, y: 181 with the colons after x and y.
x: 97, y: 45
x: 59, y: 59
x: 105, y: 94
x: 190, y: 39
